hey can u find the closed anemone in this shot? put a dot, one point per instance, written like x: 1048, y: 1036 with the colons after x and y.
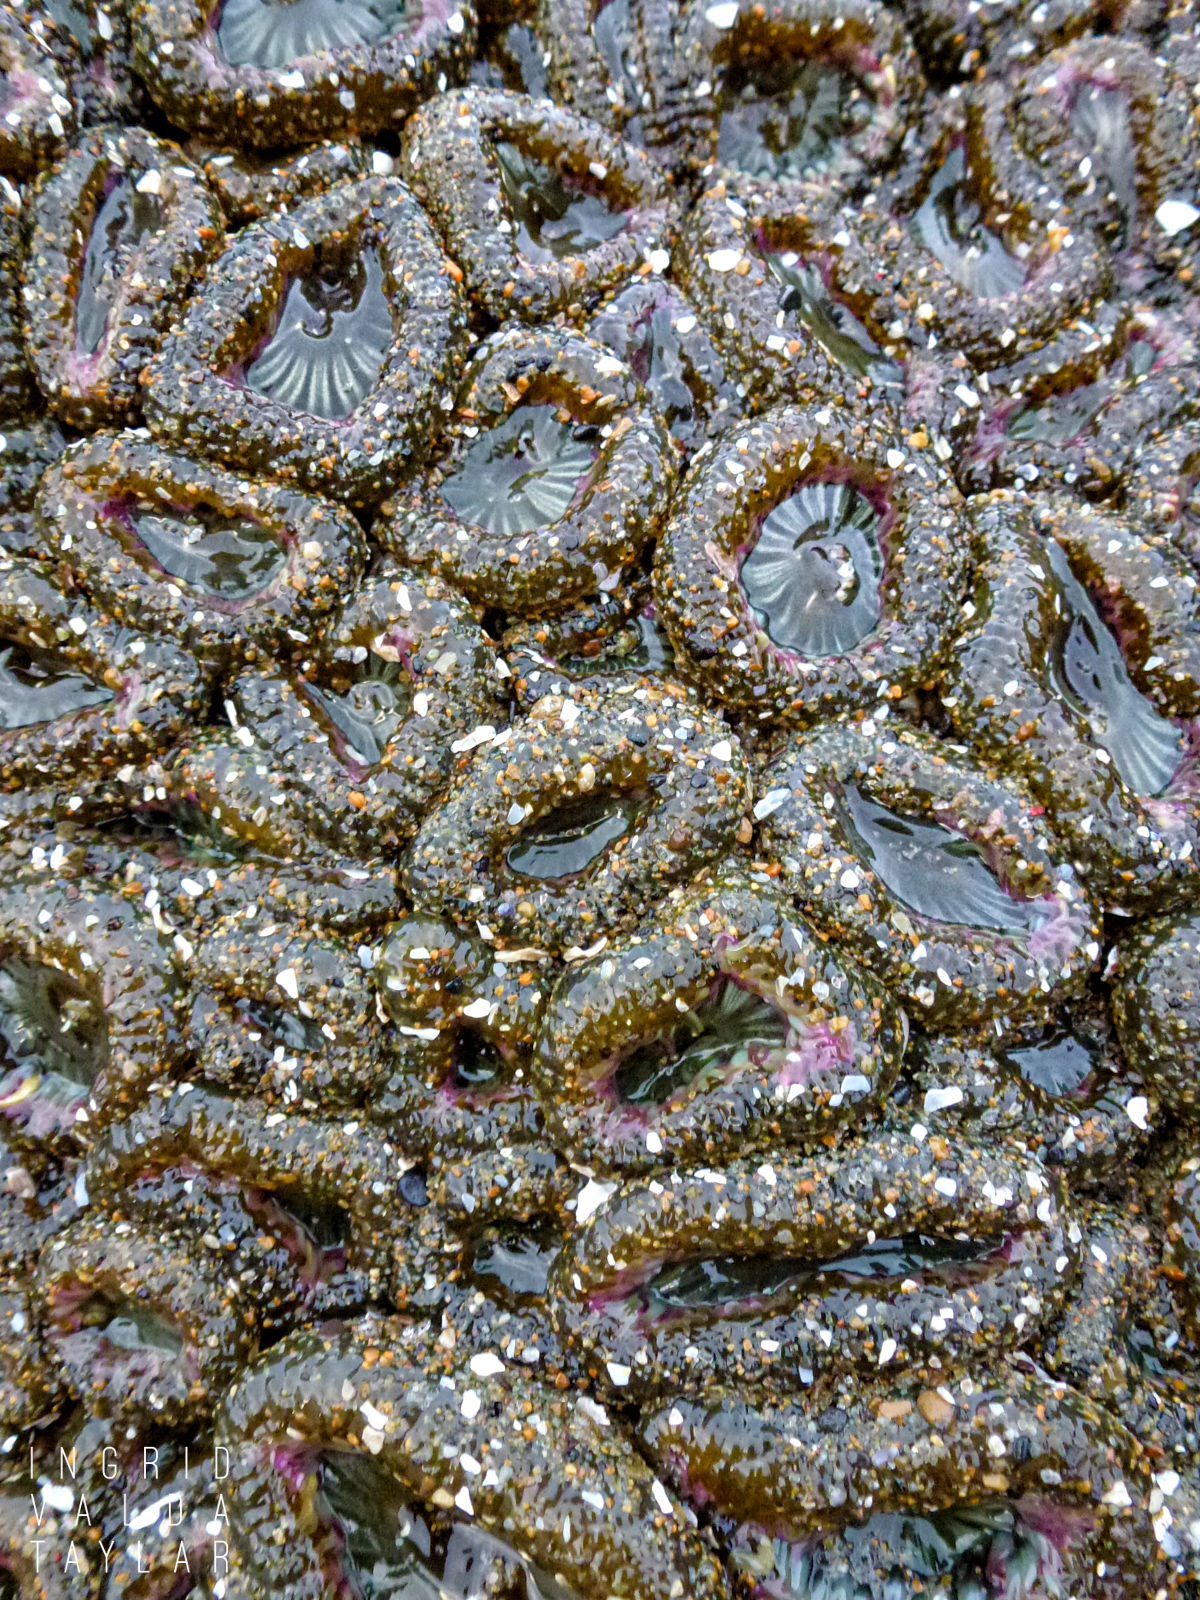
x: 37, y: 686
x: 230, y: 558
x: 805, y: 295
x: 50, y: 1026
x: 784, y: 120
x: 973, y: 1551
x: 328, y: 351
x: 522, y: 474
x: 554, y: 217
x: 722, y: 1282
x: 256, y: 33
x: 950, y: 224
x: 936, y: 871
x: 128, y: 213
x: 732, y: 1027
x: 564, y: 843
x: 394, y: 1551
x: 1091, y: 674
x: 812, y: 578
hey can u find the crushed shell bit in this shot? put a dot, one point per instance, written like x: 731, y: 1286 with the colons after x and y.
x: 346, y: 761
x: 879, y: 1250
x: 360, y: 1389
x: 912, y: 1449
x: 40, y: 116
x: 722, y: 1019
x: 1078, y: 673
x: 801, y: 574
x: 251, y: 186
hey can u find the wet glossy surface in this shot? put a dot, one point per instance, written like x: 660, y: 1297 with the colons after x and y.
x: 522, y: 474
x: 982, y: 1551
x: 812, y: 578
x: 125, y: 218
x: 394, y: 1551
x: 368, y: 714
x: 950, y: 224
x: 515, y: 1261
x: 1090, y: 673
x: 552, y: 219
x: 233, y: 558
x: 573, y: 837
x: 133, y: 1327
x: 37, y: 686
x: 1100, y: 122
x: 728, y: 1281
x: 334, y: 333
x: 260, y: 33
x: 934, y: 870
x: 1060, y: 1064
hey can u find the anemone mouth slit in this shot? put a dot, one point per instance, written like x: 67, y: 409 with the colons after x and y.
x: 723, y: 1284
x: 553, y: 216
x: 805, y: 295
x: 934, y: 870
x: 523, y: 474
x: 476, y: 1064
x: 127, y: 215
x: 1100, y: 122
x: 1088, y: 670
x: 281, y: 1027
x: 730, y: 1029
x: 613, y: 31
x: 77, y: 23
x: 1060, y: 1064
x: 787, y: 119
x: 571, y: 839
x: 38, y: 686
x: 950, y: 224
x: 226, y: 558
x: 274, y: 33
x: 395, y: 1548
x: 812, y: 578
x: 128, y: 1325
x: 364, y: 719
x: 656, y: 359
x: 180, y: 833
x: 51, y: 1026
x: 326, y: 1225
x: 512, y: 1262
x: 334, y: 332
x: 1062, y: 418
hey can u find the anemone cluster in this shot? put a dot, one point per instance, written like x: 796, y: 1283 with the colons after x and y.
x: 599, y: 800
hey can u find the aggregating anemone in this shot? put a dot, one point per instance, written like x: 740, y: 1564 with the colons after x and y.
x: 599, y: 718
